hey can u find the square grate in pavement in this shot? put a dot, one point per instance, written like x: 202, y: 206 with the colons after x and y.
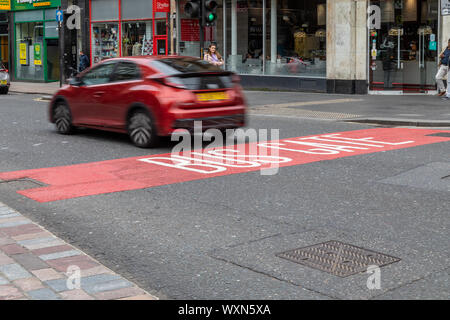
x: 441, y: 134
x: 338, y: 258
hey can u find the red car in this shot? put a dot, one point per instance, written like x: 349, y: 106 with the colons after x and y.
x: 149, y: 97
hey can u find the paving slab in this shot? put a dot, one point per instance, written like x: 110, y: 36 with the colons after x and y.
x: 43, y: 267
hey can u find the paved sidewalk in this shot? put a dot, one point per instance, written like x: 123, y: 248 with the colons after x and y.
x: 34, y: 87
x: 408, y: 110
x: 33, y: 265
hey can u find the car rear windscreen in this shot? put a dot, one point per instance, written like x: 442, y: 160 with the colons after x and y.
x: 177, y: 66
x: 194, y: 74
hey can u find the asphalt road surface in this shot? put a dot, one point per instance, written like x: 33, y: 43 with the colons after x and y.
x: 218, y: 237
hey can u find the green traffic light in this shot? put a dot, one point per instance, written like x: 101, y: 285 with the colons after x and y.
x: 211, y: 17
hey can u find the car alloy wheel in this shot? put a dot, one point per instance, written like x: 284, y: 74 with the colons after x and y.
x: 141, y: 130
x: 63, y: 119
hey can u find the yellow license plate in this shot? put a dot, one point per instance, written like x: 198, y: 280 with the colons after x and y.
x: 4, y: 82
x: 212, y: 96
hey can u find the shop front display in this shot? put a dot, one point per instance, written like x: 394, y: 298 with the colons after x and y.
x: 137, y: 38
x: 264, y: 37
x: 36, y: 53
x: 105, y: 41
x: 122, y: 28
x: 403, y: 47
x: 4, y: 40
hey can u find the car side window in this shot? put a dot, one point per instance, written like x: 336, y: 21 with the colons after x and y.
x: 100, y: 75
x: 127, y: 71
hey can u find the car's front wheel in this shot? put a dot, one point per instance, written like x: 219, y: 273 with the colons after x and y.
x: 63, y: 118
x: 4, y: 90
x: 141, y: 130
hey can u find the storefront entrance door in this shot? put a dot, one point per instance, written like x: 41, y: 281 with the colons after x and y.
x: 403, y: 47
x: 53, y: 68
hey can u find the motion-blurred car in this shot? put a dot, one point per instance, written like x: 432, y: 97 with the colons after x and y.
x: 149, y: 97
x: 4, y: 79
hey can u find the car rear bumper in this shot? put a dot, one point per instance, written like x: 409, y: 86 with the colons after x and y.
x: 211, y: 118
x: 220, y: 122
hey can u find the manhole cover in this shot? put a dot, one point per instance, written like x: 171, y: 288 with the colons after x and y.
x: 337, y: 258
x: 441, y: 134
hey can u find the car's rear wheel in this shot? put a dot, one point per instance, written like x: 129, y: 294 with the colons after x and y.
x: 63, y: 118
x: 141, y: 130
x: 4, y: 90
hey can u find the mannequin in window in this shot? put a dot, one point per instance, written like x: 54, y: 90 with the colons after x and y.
x: 137, y: 47
x: 126, y: 46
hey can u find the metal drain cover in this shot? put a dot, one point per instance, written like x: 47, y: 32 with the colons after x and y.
x: 337, y: 258
x: 441, y: 134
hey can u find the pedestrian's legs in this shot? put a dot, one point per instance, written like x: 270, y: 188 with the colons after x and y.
x: 443, y: 70
x: 387, y: 79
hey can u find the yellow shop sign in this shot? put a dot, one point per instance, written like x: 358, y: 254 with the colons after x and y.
x: 23, y: 53
x: 5, y: 4
x: 42, y: 4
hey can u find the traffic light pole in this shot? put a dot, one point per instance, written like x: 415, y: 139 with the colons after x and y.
x: 202, y: 28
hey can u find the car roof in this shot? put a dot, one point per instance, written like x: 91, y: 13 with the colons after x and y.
x: 145, y: 59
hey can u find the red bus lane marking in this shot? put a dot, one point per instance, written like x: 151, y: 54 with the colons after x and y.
x: 150, y: 171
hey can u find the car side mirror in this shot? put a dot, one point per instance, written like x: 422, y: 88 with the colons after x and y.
x: 77, y: 82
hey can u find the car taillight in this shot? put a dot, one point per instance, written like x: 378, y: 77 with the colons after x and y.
x: 4, y: 70
x: 174, y: 82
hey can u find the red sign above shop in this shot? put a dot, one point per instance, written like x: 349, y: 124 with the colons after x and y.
x: 190, y: 30
x: 161, y: 5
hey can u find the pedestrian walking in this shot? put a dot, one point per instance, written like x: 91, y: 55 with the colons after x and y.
x: 84, y: 62
x: 443, y: 70
x: 213, y: 56
x: 388, y: 67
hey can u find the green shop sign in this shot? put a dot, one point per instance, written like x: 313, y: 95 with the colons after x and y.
x: 18, y: 5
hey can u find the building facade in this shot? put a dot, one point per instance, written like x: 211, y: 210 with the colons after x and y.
x: 334, y: 46
x: 33, y: 38
x: 4, y: 39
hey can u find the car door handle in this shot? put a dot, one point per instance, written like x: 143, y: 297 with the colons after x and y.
x: 98, y: 94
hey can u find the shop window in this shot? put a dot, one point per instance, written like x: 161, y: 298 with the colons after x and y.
x: 3, y: 17
x: 4, y: 52
x: 51, y: 29
x: 105, y: 38
x: 137, y: 38
x: 29, y: 36
x: 161, y: 27
x: 301, y: 39
x: 32, y: 15
x: 99, y: 75
x: 104, y: 10
x: 50, y: 14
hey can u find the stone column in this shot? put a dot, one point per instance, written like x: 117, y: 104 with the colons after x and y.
x: 445, y: 32
x: 347, y: 46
